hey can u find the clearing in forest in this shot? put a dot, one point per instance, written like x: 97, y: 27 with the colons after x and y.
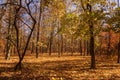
x: 63, y: 68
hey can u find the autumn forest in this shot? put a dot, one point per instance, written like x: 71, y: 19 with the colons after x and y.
x: 59, y: 39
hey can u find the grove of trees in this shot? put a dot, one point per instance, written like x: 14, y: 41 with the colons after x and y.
x: 60, y: 27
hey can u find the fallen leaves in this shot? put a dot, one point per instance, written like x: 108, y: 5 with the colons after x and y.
x: 63, y: 68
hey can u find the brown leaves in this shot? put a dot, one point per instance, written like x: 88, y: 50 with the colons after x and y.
x: 63, y: 68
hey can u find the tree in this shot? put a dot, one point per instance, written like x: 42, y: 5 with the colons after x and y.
x: 38, y: 27
x: 28, y: 11
x: 90, y: 19
x: 10, y: 20
x: 20, y: 9
x: 114, y: 22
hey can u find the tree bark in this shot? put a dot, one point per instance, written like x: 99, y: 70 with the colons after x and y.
x: 87, y: 45
x: 118, y: 59
x: 50, y: 43
x: 80, y: 47
x: 91, y: 27
x: 38, y: 28
x: 92, y: 48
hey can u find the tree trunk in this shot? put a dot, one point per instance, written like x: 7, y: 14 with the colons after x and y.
x: 108, y: 44
x: 32, y: 48
x: 100, y: 47
x: 118, y: 59
x: 80, y: 47
x: 87, y: 45
x: 8, y: 43
x: 19, y: 65
x: 91, y: 28
x: 92, y: 48
x: 8, y: 51
x: 50, y: 43
x: 72, y: 46
x: 38, y: 28
x: 50, y: 48
x: 61, y: 45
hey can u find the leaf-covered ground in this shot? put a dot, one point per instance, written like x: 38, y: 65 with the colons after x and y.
x: 63, y: 68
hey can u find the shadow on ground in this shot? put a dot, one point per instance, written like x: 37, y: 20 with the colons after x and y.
x: 60, y: 70
x: 50, y: 70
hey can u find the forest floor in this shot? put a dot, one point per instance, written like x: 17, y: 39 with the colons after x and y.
x: 63, y: 68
